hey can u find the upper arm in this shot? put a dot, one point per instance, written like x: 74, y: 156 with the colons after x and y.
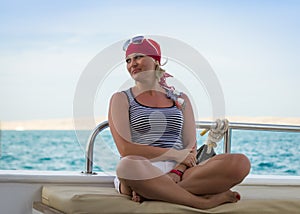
x: 118, y: 118
x: 189, y: 126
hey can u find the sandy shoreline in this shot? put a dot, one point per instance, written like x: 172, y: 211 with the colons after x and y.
x: 68, y: 124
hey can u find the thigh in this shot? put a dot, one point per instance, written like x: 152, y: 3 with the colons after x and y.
x: 208, y: 168
x: 137, y: 168
x: 210, y: 177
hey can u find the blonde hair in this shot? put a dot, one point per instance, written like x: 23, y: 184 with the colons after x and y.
x: 159, y: 71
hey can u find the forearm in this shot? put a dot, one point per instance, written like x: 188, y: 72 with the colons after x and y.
x: 181, y: 167
x: 149, y: 152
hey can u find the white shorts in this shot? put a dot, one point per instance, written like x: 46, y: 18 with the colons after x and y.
x: 164, y: 166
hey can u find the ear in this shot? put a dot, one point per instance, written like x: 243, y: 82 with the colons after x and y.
x: 157, y: 67
x: 155, y: 61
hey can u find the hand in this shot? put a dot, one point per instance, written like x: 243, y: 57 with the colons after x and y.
x: 190, y: 160
x: 182, y: 154
x: 176, y: 178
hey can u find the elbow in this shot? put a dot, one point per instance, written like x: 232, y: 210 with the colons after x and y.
x: 124, y: 149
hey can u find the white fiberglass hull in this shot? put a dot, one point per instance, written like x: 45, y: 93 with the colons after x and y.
x: 19, y: 189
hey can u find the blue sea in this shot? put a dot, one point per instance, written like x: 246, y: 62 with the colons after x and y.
x: 272, y: 153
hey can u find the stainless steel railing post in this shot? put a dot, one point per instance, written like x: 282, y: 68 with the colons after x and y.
x: 90, y: 147
x: 227, y: 141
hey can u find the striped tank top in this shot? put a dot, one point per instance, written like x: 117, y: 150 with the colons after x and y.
x: 154, y: 126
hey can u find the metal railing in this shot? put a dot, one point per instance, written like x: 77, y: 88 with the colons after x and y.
x: 90, y: 147
x: 199, y: 125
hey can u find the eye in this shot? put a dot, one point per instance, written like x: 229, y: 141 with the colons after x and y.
x: 138, y: 57
x: 128, y: 60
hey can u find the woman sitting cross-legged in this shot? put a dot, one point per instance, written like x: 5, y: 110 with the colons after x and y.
x: 154, y: 131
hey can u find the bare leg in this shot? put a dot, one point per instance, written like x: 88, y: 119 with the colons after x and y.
x: 126, y: 190
x: 165, y: 189
x: 161, y: 187
x: 217, y: 175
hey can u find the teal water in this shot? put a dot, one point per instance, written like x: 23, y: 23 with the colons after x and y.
x: 275, y: 153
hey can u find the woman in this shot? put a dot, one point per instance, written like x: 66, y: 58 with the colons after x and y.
x: 154, y: 131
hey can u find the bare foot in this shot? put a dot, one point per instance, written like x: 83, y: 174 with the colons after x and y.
x: 229, y: 195
x: 136, y: 197
x: 232, y: 196
x: 218, y: 199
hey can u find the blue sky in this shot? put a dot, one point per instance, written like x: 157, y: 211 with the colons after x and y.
x: 253, y: 47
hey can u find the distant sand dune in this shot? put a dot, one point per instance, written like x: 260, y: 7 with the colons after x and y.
x: 68, y: 124
x: 49, y: 124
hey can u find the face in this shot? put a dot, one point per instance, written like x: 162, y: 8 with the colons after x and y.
x: 137, y: 63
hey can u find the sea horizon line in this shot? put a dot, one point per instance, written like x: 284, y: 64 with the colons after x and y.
x: 68, y: 123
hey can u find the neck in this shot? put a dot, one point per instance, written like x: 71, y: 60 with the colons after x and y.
x: 149, y: 88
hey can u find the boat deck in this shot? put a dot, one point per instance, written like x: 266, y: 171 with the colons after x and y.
x: 260, y: 194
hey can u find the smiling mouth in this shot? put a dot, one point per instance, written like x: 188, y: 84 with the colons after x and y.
x: 135, y: 71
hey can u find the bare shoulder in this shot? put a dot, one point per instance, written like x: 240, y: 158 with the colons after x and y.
x: 187, y: 101
x: 119, y: 98
x: 185, y: 96
x: 119, y: 95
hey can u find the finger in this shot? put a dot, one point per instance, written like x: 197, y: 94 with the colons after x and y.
x: 194, y: 159
x: 193, y: 162
x: 190, y: 164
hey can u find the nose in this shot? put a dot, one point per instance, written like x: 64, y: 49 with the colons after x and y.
x: 133, y: 63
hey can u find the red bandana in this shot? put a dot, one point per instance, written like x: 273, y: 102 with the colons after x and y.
x: 148, y: 47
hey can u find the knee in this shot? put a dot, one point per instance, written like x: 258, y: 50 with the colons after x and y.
x: 240, y: 167
x: 129, y: 167
x: 136, y: 168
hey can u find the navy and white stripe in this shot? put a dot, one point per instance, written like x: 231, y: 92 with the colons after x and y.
x: 161, y: 127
